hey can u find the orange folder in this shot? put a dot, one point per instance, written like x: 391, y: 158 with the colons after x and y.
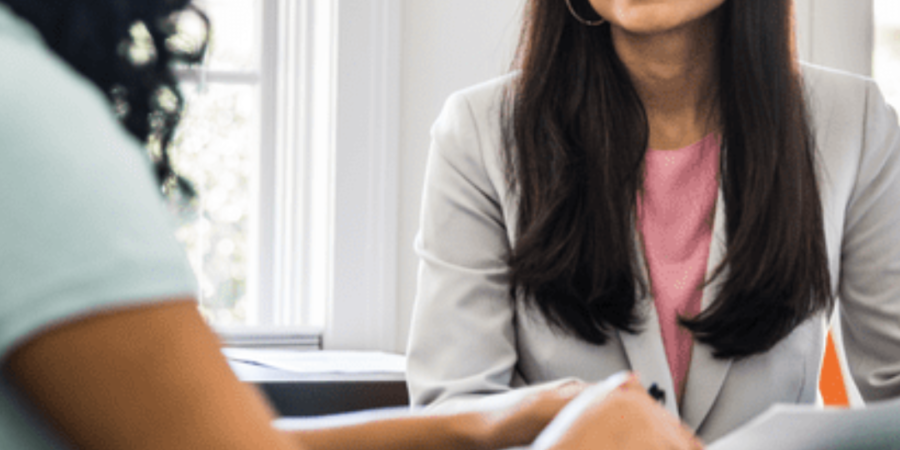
x: 831, y: 383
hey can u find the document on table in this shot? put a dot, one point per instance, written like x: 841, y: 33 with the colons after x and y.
x: 341, y: 420
x: 320, y: 362
x: 806, y: 427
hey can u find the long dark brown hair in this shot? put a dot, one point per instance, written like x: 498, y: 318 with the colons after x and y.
x: 575, y: 135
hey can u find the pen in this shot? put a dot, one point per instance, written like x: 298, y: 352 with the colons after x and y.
x: 657, y: 393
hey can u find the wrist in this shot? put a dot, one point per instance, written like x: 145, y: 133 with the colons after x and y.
x: 473, y: 431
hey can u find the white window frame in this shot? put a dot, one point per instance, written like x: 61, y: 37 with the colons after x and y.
x: 363, y: 303
x: 325, y: 224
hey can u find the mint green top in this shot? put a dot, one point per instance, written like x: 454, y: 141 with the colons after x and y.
x: 83, y: 226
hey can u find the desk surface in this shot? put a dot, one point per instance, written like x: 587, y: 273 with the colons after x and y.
x: 305, y: 395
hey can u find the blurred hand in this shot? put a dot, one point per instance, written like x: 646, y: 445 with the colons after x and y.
x: 628, y: 419
x: 521, y: 424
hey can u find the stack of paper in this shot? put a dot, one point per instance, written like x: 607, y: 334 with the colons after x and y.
x: 321, y: 362
x: 805, y: 427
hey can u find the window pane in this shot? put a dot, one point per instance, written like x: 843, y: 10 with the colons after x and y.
x: 217, y: 149
x: 887, y: 49
x: 234, y: 39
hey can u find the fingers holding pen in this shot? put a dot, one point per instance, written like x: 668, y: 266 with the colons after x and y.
x: 629, y: 418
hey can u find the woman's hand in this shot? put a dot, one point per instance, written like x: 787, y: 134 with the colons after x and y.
x: 518, y: 425
x: 521, y: 424
x: 628, y: 419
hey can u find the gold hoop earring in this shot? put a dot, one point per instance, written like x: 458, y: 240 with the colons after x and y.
x: 590, y: 23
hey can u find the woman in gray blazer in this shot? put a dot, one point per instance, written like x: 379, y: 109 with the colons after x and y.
x: 538, y: 266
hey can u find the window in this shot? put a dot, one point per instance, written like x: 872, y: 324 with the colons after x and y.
x: 217, y: 147
x: 289, y: 136
x: 886, y: 57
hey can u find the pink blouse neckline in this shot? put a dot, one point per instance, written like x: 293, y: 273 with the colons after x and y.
x: 679, y: 194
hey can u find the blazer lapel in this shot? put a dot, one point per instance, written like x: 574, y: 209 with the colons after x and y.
x: 644, y: 350
x: 707, y: 374
x: 648, y: 357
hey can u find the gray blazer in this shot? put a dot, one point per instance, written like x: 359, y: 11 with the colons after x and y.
x: 470, y: 348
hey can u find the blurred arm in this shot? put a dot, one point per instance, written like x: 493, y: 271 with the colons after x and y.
x: 148, y: 377
x: 515, y: 426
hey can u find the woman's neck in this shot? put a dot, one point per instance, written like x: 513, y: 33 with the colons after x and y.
x: 674, y: 74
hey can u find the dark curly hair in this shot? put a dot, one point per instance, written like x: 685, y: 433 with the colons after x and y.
x: 95, y: 37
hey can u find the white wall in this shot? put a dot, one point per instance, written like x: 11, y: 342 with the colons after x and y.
x: 447, y: 46
x: 837, y: 33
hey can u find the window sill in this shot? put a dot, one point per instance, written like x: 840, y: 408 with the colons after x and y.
x: 299, y: 338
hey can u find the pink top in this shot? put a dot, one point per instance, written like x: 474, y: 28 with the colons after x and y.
x: 674, y: 218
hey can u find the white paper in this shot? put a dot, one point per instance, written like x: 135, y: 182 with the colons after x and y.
x: 341, y: 420
x: 806, y: 427
x: 321, y: 362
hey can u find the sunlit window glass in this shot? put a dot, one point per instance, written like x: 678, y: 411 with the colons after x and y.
x: 235, y: 42
x: 217, y: 148
x: 217, y: 151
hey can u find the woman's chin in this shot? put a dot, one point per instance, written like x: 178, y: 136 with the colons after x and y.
x: 650, y: 20
x: 648, y: 27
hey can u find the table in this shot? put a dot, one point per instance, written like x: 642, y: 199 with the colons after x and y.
x: 296, y: 395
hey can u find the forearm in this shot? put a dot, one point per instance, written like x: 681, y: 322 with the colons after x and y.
x: 464, y: 431
x: 512, y: 426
